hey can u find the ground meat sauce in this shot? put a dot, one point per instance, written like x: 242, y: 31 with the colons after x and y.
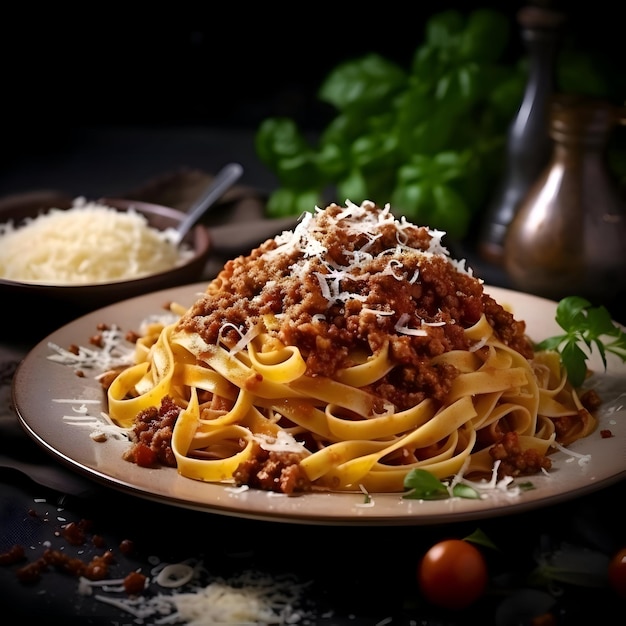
x: 517, y: 462
x: 389, y: 269
x: 151, y: 435
x: 273, y: 471
x: 346, y: 281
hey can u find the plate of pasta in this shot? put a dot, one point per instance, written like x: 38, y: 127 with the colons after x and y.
x: 309, y: 379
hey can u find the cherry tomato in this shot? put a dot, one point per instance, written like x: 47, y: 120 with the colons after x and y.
x: 617, y: 572
x: 452, y: 574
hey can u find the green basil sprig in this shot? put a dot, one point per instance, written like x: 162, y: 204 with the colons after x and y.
x: 584, y: 325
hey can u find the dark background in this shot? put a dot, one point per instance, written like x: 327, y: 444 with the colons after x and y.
x: 214, y: 64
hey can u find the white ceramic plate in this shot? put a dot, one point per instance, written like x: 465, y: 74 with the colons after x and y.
x: 39, y: 383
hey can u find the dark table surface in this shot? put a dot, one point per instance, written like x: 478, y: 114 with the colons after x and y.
x: 354, y: 574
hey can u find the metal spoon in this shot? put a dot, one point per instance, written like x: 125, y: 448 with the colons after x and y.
x: 222, y: 181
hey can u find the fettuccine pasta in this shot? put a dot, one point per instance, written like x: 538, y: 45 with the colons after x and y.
x: 339, y: 356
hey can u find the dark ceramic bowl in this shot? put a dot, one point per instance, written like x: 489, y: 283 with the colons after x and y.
x: 51, y: 305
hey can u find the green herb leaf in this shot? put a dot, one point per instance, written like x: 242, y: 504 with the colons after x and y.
x: 480, y: 538
x: 465, y: 491
x: 426, y: 486
x: 363, y: 85
x: 588, y: 326
x: 575, y: 361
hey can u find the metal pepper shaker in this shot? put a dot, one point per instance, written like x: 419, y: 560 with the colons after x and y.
x: 568, y: 236
x: 528, y: 144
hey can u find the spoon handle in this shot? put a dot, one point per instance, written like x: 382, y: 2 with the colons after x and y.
x: 222, y: 181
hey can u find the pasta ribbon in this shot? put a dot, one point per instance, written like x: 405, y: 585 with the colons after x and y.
x: 370, y: 370
x: 210, y: 470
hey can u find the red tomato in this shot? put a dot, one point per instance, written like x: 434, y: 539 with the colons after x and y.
x: 452, y: 574
x: 617, y: 572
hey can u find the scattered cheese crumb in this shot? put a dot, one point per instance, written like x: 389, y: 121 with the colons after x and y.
x: 252, y: 597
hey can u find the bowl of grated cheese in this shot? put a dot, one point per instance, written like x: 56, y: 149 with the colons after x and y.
x: 79, y: 255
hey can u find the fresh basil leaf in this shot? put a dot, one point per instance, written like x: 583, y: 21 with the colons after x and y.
x: 551, y: 343
x: 279, y: 137
x: 618, y: 346
x: 600, y: 322
x: 570, y: 312
x: 424, y: 486
x: 286, y: 201
x: 485, y: 36
x: 443, y: 29
x: 574, y: 360
x: 450, y: 212
x: 365, y: 84
x: 353, y: 186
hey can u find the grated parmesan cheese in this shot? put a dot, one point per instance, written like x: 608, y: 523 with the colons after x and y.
x: 306, y: 241
x: 87, y: 243
x: 252, y: 597
x: 113, y: 352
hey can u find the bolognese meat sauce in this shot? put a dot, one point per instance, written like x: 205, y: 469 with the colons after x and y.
x: 348, y: 300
